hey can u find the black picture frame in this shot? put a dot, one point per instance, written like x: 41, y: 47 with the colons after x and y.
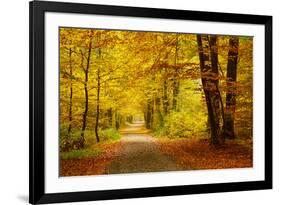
x: 37, y: 194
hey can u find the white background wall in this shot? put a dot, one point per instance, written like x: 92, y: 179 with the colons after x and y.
x: 14, y: 100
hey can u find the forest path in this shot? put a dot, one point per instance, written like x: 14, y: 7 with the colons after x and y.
x: 139, y: 152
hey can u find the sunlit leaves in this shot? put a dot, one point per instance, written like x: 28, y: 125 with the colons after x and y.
x: 134, y: 66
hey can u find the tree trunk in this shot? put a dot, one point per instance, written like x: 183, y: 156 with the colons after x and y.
x: 98, y: 101
x: 117, y: 120
x: 148, y: 114
x: 218, y: 99
x: 144, y: 116
x: 231, y: 88
x: 71, y: 93
x: 109, y: 115
x: 86, y: 71
x: 130, y: 119
x: 158, y: 115
x: 207, y: 48
x: 152, y: 114
x: 165, y: 95
x: 175, y: 94
x: 175, y: 78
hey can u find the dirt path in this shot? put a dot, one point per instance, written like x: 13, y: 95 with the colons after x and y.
x: 139, y: 152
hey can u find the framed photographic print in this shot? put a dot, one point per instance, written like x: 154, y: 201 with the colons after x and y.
x: 140, y: 102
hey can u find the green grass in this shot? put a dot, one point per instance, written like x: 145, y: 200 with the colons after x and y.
x: 67, y: 142
x: 110, y: 134
x: 78, y: 154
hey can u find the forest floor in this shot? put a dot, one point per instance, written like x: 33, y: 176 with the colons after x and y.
x: 91, y: 165
x: 194, y: 154
x: 138, y: 151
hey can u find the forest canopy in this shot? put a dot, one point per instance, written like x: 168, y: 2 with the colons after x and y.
x: 180, y: 85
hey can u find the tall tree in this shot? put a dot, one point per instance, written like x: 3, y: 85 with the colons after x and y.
x: 231, y: 87
x: 70, y: 92
x: 207, y: 49
x: 165, y: 93
x: 175, y: 78
x: 86, y: 74
x: 98, y: 99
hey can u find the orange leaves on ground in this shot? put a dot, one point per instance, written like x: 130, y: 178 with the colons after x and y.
x: 92, y: 165
x: 194, y: 154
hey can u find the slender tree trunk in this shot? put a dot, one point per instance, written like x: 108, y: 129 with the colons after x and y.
x: 175, y: 79
x: 152, y: 114
x: 118, y: 120
x: 175, y: 94
x: 130, y: 118
x: 98, y: 102
x: 86, y: 71
x: 165, y: 95
x: 109, y: 115
x: 207, y: 48
x: 117, y: 123
x: 145, y: 116
x: 71, y: 94
x: 231, y: 88
x: 158, y: 114
x: 148, y: 114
